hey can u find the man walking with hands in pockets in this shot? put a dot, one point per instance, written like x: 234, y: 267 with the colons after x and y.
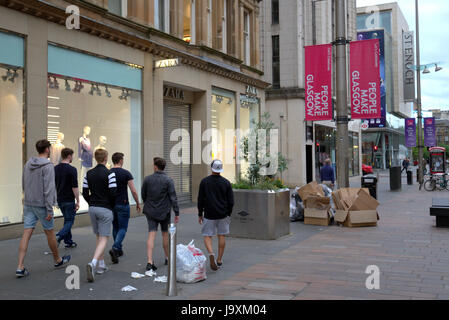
x: 215, y: 202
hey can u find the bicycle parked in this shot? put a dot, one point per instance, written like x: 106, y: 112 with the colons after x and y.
x: 437, y: 182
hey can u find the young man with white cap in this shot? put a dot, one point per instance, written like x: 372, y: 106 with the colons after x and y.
x: 215, y: 203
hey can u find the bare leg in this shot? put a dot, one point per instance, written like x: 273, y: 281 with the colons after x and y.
x: 24, y: 246
x: 165, y: 243
x: 150, y: 246
x: 101, y: 246
x: 98, y: 243
x: 208, y: 244
x: 221, y: 247
x: 53, y: 244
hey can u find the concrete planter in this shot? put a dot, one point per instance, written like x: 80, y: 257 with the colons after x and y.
x: 260, y: 214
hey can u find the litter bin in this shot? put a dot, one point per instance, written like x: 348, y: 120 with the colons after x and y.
x: 409, y: 177
x: 395, y: 178
x: 370, y: 181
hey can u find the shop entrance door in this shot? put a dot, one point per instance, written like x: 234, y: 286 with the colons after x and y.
x: 178, y: 117
x: 309, y: 161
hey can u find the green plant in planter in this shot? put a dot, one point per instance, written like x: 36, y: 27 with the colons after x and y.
x: 255, y: 177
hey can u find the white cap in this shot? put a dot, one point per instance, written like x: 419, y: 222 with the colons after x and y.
x: 217, y: 166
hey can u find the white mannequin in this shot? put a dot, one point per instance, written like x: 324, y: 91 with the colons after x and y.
x: 56, y: 148
x: 102, y: 145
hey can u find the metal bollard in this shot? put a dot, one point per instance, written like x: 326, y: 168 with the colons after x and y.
x: 171, y: 280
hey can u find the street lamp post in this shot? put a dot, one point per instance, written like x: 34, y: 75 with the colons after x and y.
x: 342, y: 105
x: 418, y: 100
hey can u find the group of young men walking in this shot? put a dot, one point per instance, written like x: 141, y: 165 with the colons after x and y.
x: 106, y: 191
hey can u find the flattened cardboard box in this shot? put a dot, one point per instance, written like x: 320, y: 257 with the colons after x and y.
x: 361, y: 218
x: 317, y: 202
x: 316, y: 217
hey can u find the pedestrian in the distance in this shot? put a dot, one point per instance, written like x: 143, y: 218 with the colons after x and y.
x: 121, y: 210
x: 327, y: 174
x: 99, y: 190
x: 159, y: 197
x: 38, y: 184
x: 66, y: 179
x: 215, y: 203
x: 405, y: 164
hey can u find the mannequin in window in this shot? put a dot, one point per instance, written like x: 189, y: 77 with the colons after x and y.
x: 85, y: 153
x: 56, y: 148
x: 102, y: 145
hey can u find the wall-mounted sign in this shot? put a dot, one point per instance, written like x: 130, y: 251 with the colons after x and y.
x: 174, y: 93
x: 408, y: 59
x: 166, y: 63
x: 364, y: 125
x: 246, y: 100
x: 250, y: 90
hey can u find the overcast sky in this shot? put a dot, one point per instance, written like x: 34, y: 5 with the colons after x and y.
x: 434, y: 42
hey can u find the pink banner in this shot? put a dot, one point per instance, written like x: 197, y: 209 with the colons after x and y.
x: 318, y: 80
x: 365, y: 79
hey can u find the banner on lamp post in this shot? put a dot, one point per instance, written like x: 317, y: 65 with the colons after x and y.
x: 318, y: 82
x: 429, y: 132
x: 365, y: 79
x: 410, y: 132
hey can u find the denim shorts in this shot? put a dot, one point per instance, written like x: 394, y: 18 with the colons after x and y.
x: 31, y: 215
x: 213, y: 227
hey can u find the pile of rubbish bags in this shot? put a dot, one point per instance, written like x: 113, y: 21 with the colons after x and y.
x: 297, y: 204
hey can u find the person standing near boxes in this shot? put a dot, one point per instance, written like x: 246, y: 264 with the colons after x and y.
x: 327, y: 174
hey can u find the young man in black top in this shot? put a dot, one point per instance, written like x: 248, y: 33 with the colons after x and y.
x: 215, y: 201
x: 159, y: 197
x: 66, y: 178
x: 99, y: 190
x: 121, y: 210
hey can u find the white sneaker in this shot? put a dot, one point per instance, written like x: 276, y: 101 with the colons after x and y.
x: 90, y: 272
x: 102, y: 270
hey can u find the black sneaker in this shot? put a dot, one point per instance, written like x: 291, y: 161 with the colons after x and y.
x: 22, y: 273
x: 151, y: 266
x: 114, y: 256
x: 71, y: 245
x: 120, y: 253
x: 64, y: 260
x: 219, y: 264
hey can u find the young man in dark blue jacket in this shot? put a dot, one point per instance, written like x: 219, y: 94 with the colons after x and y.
x: 215, y: 202
x: 327, y: 174
x: 159, y: 197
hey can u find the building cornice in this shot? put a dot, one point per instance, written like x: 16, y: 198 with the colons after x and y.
x: 284, y: 93
x: 52, y: 13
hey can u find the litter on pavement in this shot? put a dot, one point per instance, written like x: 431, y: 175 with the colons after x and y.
x: 150, y: 273
x: 137, y: 275
x: 161, y: 279
x: 128, y: 288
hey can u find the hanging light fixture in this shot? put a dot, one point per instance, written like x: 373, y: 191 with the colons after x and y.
x: 426, y: 70
x: 50, y: 83
x: 108, y: 93
x: 437, y: 68
x: 98, y: 91
x: 92, y: 89
x: 67, y: 85
x: 122, y: 96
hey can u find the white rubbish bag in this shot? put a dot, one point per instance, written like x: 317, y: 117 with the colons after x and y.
x: 190, y: 263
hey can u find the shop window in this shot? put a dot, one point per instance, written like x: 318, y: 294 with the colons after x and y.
x: 249, y: 117
x: 87, y: 116
x: 223, y: 139
x: 12, y: 139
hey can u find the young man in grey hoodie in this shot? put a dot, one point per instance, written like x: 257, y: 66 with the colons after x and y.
x: 38, y: 183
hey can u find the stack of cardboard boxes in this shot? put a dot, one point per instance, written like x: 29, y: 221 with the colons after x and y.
x: 355, y: 207
x: 316, y: 205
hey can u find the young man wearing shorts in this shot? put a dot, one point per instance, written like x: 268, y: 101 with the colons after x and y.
x: 159, y: 197
x: 38, y: 183
x: 99, y: 190
x: 215, y: 203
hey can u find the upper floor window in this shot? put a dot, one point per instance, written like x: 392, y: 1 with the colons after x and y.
x: 276, y: 62
x: 246, y: 38
x: 218, y: 30
x: 275, y: 11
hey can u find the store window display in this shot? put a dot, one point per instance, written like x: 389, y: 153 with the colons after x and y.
x: 107, y: 118
x: 249, y: 116
x: 223, y: 120
x: 56, y: 148
x: 12, y: 139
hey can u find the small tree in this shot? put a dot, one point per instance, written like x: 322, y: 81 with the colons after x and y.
x: 256, y: 151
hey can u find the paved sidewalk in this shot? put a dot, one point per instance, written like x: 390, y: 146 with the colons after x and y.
x: 311, y: 263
